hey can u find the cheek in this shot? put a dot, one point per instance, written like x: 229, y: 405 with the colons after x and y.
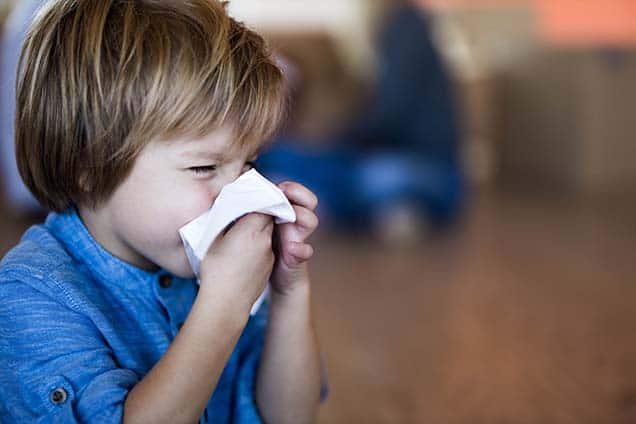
x: 164, y: 203
x: 197, y: 203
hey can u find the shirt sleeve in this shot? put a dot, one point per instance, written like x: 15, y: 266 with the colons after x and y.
x: 55, y: 366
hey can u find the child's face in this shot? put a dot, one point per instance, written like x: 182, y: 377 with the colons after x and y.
x: 171, y: 183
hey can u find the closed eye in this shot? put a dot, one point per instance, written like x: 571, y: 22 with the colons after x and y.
x: 198, y: 170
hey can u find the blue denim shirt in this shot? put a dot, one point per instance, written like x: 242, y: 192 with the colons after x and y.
x: 80, y: 327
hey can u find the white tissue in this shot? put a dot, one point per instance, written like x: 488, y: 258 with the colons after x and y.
x: 251, y: 192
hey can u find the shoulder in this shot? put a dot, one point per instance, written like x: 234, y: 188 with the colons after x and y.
x: 40, y: 262
x: 49, y: 341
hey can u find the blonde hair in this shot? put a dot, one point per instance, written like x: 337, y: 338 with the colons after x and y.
x: 98, y: 80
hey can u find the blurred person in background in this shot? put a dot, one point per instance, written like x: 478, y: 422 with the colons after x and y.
x: 410, y: 176
x: 17, y: 196
x: 396, y: 169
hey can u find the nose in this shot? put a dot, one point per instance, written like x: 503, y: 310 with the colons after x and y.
x: 231, y: 173
x: 225, y: 175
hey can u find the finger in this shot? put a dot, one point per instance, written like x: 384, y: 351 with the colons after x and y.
x: 300, y: 251
x: 269, y: 224
x: 255, y: 220
x: 306, y: 218
x: 299, y: 194
x: 269, y: 227
x: 298, y: 231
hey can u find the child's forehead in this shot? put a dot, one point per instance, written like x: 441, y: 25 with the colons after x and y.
x: 220, y: 144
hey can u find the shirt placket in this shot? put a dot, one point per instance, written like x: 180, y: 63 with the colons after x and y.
x: 169, y: 292
x: 162, y: 288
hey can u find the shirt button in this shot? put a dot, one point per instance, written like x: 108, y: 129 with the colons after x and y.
x: 165, y: 281
x: 58, y: 396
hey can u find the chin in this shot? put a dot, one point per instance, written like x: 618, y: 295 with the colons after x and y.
x: 181, y: 269
x: 183, y: 273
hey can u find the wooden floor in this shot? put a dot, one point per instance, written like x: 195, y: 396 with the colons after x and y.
x: 524, y: 313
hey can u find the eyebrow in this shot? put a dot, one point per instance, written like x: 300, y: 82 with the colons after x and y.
x: 202, y: 155
x: 212, y: 155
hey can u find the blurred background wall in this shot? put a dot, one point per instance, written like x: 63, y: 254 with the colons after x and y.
x: 554, y: 66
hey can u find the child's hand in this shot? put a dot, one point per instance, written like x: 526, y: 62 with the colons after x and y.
x: 238, y: 264
x: 290, y: 268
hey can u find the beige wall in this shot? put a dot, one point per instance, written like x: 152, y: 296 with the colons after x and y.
x: 350, y: 23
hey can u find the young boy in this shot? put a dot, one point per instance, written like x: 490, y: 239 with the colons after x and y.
x: 131, y: 117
